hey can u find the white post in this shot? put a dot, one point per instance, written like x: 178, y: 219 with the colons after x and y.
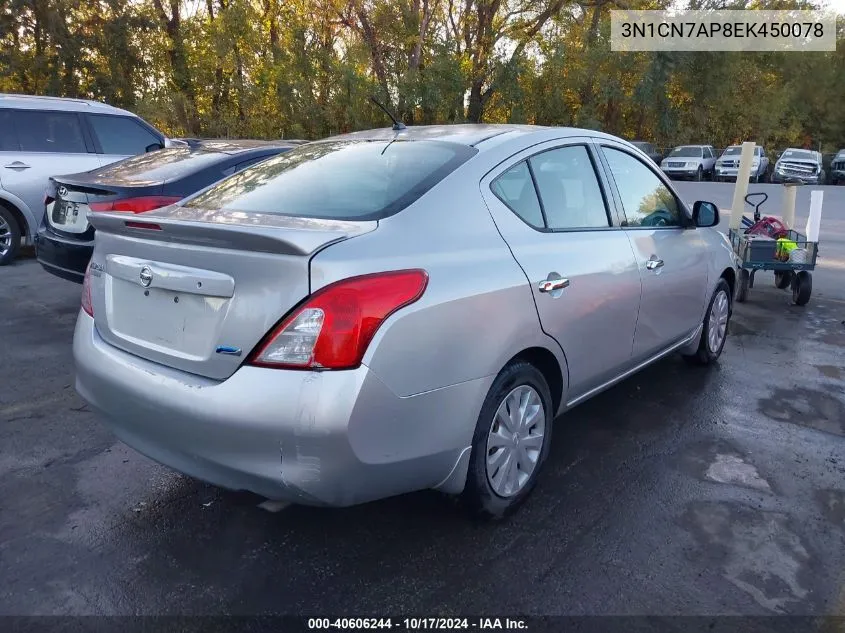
x: 741, y: 188
x: 790, y: 189
x: 814, y: 220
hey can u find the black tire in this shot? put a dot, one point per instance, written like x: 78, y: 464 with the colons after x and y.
x: 10, y: 236
x: 699, y: 174
x: 802, y: 287
x: 704, y: 355
x: 742, y: 286
x: 783, y: 279
x: 478, y: 493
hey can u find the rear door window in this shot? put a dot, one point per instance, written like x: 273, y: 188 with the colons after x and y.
x: 516, y: 189
x: 342, y: 180
x: 53, y: 132
x: 121, y: 136
x: 8, y: 135
x: 569, y: 189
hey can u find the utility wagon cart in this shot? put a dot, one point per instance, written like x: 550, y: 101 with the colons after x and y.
x: 791, y: 257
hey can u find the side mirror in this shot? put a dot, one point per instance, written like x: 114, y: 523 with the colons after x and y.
x: 152, y: 147
x: 705, y: 214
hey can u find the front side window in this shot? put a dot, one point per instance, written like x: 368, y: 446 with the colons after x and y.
x: 339, y: 180
x: 647, y: 202
x: 54, y: 132
x: 569, y: 189
x: 516, y: 189
x: 121, y: 136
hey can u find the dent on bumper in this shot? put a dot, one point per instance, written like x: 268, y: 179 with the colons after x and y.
x: 321, y: 438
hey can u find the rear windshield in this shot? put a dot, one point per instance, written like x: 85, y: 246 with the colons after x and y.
x: 687, y: 152
x: 341, y: 180
x: 161, y: 165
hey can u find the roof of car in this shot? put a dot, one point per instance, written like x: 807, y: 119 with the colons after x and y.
x: 464, y: 133
x: 33, y: 102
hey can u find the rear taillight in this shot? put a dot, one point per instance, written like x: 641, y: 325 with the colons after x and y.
x: 135, y: 205
x: 86, y: 292
x: 333, y: 327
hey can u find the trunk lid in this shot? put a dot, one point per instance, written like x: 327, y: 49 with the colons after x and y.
x: 73, y: 195
x: 202, y: 287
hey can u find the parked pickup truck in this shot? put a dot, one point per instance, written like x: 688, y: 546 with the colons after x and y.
x: 695, y: 162
x: 837, y: 168
x: 799, y: 165
x: 727, y: 166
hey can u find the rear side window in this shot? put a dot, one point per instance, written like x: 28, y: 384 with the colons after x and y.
x: 54, y: 132
x: 516, y: 189
x: 342, y: 180
x: 569, y: 189
x: 122, y: 136
x: 8, y: 136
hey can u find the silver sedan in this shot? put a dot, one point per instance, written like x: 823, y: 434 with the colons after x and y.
x: 395, y: 310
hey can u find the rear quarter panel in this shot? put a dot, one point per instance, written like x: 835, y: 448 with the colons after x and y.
x: 477, y: 311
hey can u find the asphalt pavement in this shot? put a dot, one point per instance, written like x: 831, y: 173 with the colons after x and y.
x: 680, y: 491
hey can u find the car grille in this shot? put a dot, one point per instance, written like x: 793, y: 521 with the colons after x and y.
x: 798, y: 169
x: 839, y: 164
x: 730, y: 163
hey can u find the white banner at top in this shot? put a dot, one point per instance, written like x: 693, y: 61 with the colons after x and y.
x: 723, y: 30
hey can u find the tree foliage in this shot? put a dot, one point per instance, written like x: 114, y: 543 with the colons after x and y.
x: 306, y: 68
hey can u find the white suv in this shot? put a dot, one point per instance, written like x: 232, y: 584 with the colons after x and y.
x: 42, y: 137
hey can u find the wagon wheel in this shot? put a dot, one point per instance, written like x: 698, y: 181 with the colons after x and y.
x: 783, y: 279
x: 802, y: 288
x: 742, y: 289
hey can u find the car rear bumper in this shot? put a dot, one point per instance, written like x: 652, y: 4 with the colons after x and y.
x: 320, y: 438
x: 64, y: 257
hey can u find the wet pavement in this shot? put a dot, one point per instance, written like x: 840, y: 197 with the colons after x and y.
x: 680, y: 491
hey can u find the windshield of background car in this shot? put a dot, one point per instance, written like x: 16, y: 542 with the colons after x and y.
x: 733, y: 151
x: 338, y: 180
x: 686, y: 152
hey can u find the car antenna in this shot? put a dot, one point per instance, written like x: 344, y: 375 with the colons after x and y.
x: 397, y: 125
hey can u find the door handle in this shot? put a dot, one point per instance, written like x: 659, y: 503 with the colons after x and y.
x: 17, y: 166
x: 550, y: 285
x: 654, y: 263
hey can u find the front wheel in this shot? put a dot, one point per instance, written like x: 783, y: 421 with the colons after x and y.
x: 511, y: 441
x: 699, y: 174
x: 802, y: 288
x: 715, y: 327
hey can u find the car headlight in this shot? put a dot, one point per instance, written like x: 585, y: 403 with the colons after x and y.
x: 692, y: 165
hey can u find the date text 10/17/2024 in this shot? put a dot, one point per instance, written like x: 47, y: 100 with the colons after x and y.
x: 418, y: 624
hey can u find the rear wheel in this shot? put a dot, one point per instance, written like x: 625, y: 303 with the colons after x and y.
x: 742, y: 287
x: 511, y: 441
x: 782, y: 279
x: 802, y: 288
x: 10, y: 236
x: 715, y: 327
